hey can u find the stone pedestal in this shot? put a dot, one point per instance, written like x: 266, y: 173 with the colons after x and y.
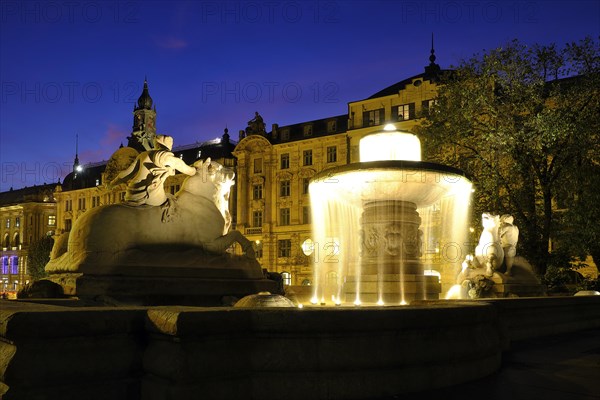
x: 391, y: 269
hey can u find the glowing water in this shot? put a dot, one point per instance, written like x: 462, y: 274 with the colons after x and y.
x: 379, y: 225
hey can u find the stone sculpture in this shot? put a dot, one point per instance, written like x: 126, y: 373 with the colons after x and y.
x: 145, y: 177
x: 488, y: 252
x: 105, y: 239
x: 509, y: 236
x: 256, y: 125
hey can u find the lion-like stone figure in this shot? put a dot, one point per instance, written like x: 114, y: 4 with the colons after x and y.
x: 109, y: 239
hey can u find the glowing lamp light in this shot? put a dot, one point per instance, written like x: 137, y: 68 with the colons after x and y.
x: 79, y: 168
x: 300, y: 305
x: 314, y: 300
x: 390, y: 145
x: 389, y: 127
x: 403, y: 303
x: 380, y: 302
x: 308, y: 247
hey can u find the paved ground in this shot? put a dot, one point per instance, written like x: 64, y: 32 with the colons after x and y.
x: 565, y: 367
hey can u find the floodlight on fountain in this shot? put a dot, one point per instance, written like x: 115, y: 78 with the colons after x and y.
x: 390, y: 145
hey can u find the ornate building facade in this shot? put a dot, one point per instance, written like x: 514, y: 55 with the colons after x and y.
x: 26, y: 216
x: 274, y: 168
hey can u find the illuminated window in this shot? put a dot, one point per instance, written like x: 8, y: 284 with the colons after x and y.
x: 403, y: 112
x: 51, y: 220
x: 14, y: 265
x: 373, y: 117
x: 18, y: 222
x: 7, y: 222
x: 284, y: 188
x: 257, y: 192
x: 4, y: 265
x: 284, y: 248
x: 97, y: 182
x: 307, y: 157
x: 284, y: 216
x: 258, y: 165
x: 287, y: 278
x: 331, y: 154
x: 81, y: 204
x: 257, y: 219
x: 285, y: 161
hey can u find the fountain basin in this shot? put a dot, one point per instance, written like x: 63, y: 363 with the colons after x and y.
x: 378, y: 219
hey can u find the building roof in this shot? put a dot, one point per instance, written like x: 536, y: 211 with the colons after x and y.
x: 91, y: 174
x: 38, y: 193
x: 318, y: 128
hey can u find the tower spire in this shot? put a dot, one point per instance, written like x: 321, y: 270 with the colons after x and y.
x: 76, y: 161
x: 432, y: 71
x: 432, y: 56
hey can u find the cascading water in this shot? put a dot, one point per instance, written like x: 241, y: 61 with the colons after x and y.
x: 386, y: 228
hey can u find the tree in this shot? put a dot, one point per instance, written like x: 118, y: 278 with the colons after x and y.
x: 519, y: 120
x: 38, y: 256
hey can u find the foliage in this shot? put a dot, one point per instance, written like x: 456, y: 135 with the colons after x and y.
x: 519, y: 120
x: 38, y: 256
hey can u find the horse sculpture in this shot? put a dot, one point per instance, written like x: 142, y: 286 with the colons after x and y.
x: 190, y: 229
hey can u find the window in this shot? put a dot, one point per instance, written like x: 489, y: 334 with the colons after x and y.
x: 257, y: 192
x: 287, y: 278
x: 331, y: 154
x: 305, y: 183
x: 403, y: 112
x: 14, y: 267
x: 374, y: 117
x: 307, y: 157
x: 331, y: 126
x: 426, y: 106
x: 68, y: 224
x: 122, y: 196
x: 199, y: 154
x: 258, y: 165
x: 69, y: 205
x: 259, y: 249
x: 51, y: 220
x: 308, y: 130
x: 97, y: 182
x: 5, y: 265
x: 284, y: 216
x: 95, y: 201
x: 285, y: 161
x: 284, y: 188
x: 7, y: 222
x: 228, y: 162
x: 81, y: 204
x: 18, y: 222
x: 257, y: 219
x: 284, y: 248
x: 285, y: 134
x: 306, y: 215
x: 6, y: 241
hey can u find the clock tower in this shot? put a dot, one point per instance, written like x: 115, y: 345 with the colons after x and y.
x: 144, y: 122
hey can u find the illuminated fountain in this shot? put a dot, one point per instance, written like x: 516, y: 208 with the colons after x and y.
x: 387, y: 228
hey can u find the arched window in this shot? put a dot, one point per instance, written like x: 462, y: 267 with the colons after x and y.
x: 16, y: 240
x: 6, y: 241
x: 287, y: 278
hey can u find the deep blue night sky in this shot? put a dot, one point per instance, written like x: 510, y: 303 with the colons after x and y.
x: 73, y: 67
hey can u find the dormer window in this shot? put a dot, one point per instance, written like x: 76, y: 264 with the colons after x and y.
x: 332, y: 126
x: 308, y: 130
x: 285, y: 134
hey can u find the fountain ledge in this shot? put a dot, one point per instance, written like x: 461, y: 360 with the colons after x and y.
x: 50, y: 351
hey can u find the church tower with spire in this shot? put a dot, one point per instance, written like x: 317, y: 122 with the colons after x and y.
x: 144, y: 122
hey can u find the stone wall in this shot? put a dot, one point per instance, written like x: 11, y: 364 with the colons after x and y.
x: 53, y: 351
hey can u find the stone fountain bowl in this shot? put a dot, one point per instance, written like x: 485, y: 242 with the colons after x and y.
x: 419, y: 182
